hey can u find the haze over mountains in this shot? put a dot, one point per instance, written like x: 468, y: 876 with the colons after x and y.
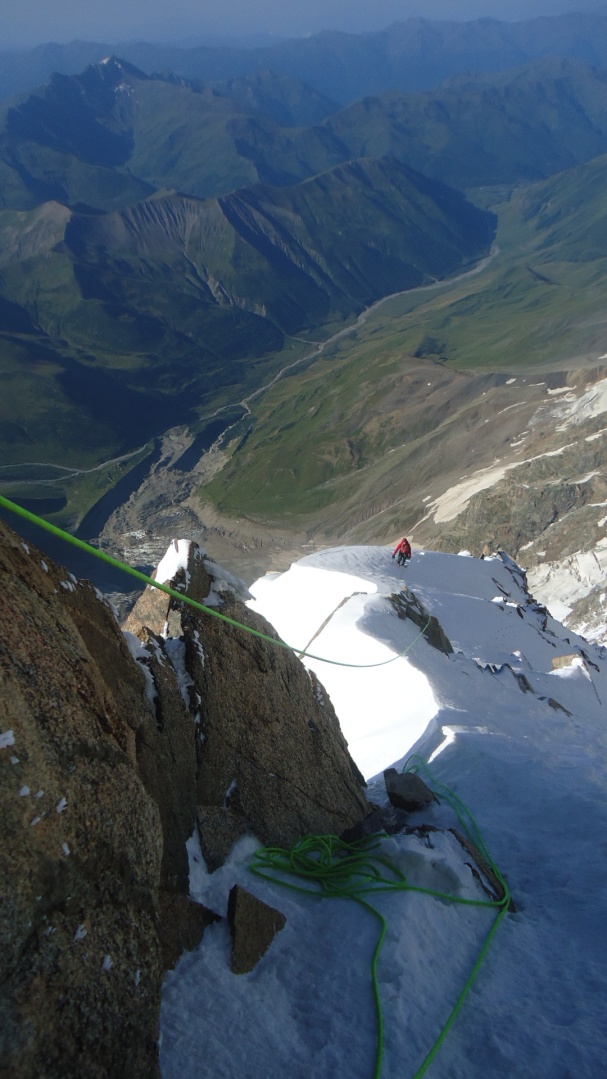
x: 170, y: 244
x: 413, y: 55
x: 110, y: 136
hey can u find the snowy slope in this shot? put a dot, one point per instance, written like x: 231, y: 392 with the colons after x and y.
x: 524, y: 746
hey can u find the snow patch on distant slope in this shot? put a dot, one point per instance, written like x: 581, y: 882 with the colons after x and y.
x: 575, y: 410
x: 455, y: 500
x: 569, y: 409
x: 561, y: 584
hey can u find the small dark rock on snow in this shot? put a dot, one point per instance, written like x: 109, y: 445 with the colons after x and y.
x: 407, y: 791
x: 253, y: 925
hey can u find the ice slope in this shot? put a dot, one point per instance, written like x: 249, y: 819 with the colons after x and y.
x: 524, y: 746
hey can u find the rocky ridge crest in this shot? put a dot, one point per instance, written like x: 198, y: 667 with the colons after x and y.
x: 113, y: 749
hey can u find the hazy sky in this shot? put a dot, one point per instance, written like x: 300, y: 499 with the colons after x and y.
x: 25, y: 22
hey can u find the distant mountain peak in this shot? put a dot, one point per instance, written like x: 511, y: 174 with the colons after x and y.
x: 111, y: 67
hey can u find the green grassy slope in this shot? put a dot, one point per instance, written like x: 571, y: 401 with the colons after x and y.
x: 522, y: 124
x: 128, y: 323
x: 111, y: 135
x: 319, y: 445
x: 108, y: 137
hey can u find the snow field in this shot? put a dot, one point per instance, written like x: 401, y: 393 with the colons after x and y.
x: 532, y: 772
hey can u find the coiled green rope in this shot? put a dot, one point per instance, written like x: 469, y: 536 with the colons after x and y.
x: 338, y: 869
x: 331, y: 868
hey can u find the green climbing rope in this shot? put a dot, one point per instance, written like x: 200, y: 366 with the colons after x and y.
x: 334, y: 869
x: 117, y: 564
x: 331, y: 868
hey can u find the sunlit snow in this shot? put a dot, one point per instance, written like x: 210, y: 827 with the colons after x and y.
x: 524, y: 745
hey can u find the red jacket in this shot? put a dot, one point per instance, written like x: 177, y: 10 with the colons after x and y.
x: 404, y: 546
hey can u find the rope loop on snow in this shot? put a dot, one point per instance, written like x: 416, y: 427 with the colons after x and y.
x: 329, y: 867
x: 117, y: 564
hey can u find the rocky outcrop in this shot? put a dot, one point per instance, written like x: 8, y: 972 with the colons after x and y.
x: 407, y: 605
x: 81, y: 840
x: 407, y: 791
x: 271, y: 756
x: 184, y: 922
x: 253, y: 926
x: 113, y: 747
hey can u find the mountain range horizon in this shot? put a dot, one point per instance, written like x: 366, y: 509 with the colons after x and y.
x: 24, y: 25
x: 212, y: 257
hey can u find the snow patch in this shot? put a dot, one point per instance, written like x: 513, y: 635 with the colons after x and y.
x: 175, y: 649
x: 199, y: 648
x: 140, y: 654
x: 455, y: 500
x: 223, y: 581
x: 199, y: 873
x: 512, y: 759
x: 576, y: 410
x: 562, y: 584
x: 175, y: 559
x: 334, y: 615
x: 230, y: 791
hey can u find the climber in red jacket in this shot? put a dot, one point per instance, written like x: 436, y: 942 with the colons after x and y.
x: 402, y: 551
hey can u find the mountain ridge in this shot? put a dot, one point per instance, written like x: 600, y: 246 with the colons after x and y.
x: 411, y: 55
x: 178, y: 301
x: 112, y: 135
x: 172, y: 299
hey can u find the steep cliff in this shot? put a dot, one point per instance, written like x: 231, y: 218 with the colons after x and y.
x: 112, y: 749
x: 268, y: 742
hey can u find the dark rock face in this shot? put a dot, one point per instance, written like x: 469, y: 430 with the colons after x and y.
x: 183, y: 922
x: 271, y: 758
x: 274, y: 760
x: 407, y: 605
x: 112, y: 748
x: 253, y: 926
x: 167, y: 763
x: 81, y: 842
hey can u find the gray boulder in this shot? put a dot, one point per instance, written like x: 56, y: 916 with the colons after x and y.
x: 407, y: 790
